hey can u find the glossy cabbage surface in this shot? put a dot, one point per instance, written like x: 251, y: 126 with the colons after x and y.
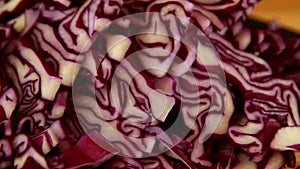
x: 44, y: 43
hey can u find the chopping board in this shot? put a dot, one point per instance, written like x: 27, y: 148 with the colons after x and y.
x: 285, y: 12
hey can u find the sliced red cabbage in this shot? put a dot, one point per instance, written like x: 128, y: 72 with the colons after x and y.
x: 249, y: 120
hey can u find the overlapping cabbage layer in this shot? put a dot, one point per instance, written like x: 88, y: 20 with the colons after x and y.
x: 44, y: 43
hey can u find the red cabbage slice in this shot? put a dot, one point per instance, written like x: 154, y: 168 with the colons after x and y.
x: 87, y: 152
x: 124, y: 117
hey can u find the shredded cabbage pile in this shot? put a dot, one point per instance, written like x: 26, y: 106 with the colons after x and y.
x: 82, y: 85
